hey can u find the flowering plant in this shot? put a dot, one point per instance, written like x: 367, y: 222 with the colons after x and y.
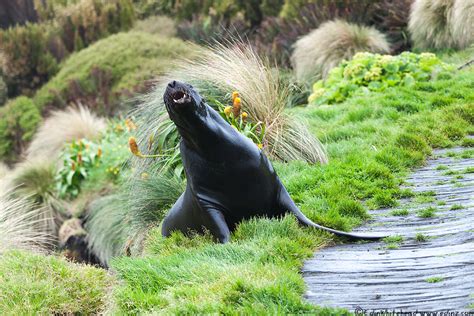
x: 373, y: 72
x: 240, y: 120
x: 78, y: 159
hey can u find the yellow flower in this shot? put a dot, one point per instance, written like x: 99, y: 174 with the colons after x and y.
x: 237, y: 102
x: 130, y: 125
x: 99, y: 152
x: 244, y: 115
x: 260, y: 146
x: 227, y: 110
x: 145, y: 176
x: 235, y: 94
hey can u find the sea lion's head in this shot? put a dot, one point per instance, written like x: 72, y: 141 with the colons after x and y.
x: 181, y: 98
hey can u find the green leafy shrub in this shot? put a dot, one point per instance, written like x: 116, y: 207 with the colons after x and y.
x: 110, y: 69
x: 33, y: 51
x: 28, y: 59
x: 19, y: 119
x: 372, y: 72
x: 78, y: 159
x: 316, y: 53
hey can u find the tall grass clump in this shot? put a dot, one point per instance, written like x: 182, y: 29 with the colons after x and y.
x: 316, y: 53
x: 215, y: 73
x: 440, y: 24
x: 463, y: 22
x: 63, y: 127
x: 22, y: 224
x: 118, y: 222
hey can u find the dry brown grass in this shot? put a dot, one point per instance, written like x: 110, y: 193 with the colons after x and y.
x: 463, y: 23
x: 62, y: 127
x: 316, y: 53
x: 430, y: 24
x: 22, y: 224
x: 264, y: 96
x: 157, y: 25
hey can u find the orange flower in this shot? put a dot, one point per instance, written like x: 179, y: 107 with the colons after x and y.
x: 79, y: 158
x: 236, y: 106
x: 132, y: 144
x: 73, y: 166
x: 99, y: 152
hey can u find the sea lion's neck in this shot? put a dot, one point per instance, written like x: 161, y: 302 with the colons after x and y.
x: 198, y: 128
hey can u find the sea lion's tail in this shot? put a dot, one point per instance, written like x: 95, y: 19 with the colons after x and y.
x: 287, y: 204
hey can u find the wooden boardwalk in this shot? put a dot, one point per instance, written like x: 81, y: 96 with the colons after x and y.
x: 432, y: 275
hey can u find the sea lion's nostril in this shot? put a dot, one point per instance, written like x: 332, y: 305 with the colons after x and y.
x: 172, y: 84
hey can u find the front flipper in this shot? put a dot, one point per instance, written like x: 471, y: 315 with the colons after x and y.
x: 286, y: 203
x: 217, y: 225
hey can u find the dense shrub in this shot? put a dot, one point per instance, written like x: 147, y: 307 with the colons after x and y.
x: 3, y: 91
x: 28, y: 59
x: 372, y: 72
x: 111, y: 68
x: 18, y: 121
x: 157, y: 25
x: 324, y: 48
x: 14, y: 12
x: 33, y: 51
x: 440, y: 24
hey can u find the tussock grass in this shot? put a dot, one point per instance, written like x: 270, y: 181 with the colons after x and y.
x: 157, y: 25
x: 22, y: 224
x: 3, y: 170
x: 441, y: 24
x: 463, y: 23
x: 316, y: 53
x: 219, y: 70
x: 116, y: 223
x: 63, y: 127
x: 34, y: 284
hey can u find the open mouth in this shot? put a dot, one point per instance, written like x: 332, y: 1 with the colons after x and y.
x: 180, y: 97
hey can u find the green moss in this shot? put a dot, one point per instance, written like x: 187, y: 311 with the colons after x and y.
x: 427, y: 212
x: 434, y: 279
x: 37, y: 284
x: 403, y: 212
x: 456, y: 207
x: 419, y: 237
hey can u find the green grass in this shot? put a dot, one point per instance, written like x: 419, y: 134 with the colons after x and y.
x: 403, y: 212
x: 372, y: 141
x: 456, y: 207
x: 419, y: 237
x: 434, y: 279
x: 427, y: 212
x: 33, y: 284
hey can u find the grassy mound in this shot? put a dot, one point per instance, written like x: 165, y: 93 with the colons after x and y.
x: 316, y: 53
x: 36, y: 284
x: 372, y: 141
x: 117, y: 65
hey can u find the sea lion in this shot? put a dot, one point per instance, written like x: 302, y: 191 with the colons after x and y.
x: 229, y: 179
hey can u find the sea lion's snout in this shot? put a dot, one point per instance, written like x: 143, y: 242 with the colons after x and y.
x: 177, y: 93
